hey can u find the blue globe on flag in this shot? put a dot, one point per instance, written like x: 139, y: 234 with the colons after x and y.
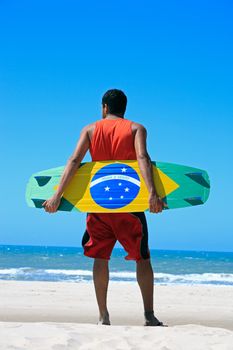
x: 115, y: 186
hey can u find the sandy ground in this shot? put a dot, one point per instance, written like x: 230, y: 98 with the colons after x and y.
x: 62, y: 315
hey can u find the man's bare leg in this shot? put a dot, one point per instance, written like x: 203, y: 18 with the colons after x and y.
x: 145, y: 278
x: 101, y: 279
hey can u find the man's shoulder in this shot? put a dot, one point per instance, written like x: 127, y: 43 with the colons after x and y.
x: 89, y: 127
x: 137, y: 127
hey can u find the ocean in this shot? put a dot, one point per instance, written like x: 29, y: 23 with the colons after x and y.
x: 68, y: 264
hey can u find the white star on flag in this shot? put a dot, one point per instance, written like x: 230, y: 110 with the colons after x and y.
x: 122, y: 197
x: 123, y: 170
x: 126, y: 189
x: 120, y: 184
x: 110, y: 198
x: 107, y: 188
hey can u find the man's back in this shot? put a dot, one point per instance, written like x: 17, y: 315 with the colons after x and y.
x: 112, y: 139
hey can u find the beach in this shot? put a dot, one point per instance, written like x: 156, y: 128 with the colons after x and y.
x: 64, y: 315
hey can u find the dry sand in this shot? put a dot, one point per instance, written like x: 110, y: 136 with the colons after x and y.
x: 63, y: 315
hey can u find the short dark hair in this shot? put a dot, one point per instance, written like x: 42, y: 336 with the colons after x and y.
x: 116, y: 101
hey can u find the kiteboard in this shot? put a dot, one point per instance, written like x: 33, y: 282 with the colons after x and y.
x: 118, y: 186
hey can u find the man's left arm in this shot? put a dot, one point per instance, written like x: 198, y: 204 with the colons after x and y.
x: 51, y: 205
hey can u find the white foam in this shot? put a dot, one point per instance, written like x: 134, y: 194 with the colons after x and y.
x: 197, y: 278
x: 70, y: 272
x: 8, y: 271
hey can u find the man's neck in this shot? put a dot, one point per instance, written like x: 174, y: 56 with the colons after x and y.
x: 114, y: 116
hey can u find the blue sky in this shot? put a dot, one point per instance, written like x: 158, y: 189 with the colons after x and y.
x: 173, y: 59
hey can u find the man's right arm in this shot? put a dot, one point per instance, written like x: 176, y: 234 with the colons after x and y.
x: 155, y: 203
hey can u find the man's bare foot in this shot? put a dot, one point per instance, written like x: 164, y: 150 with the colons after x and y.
x: 104, y: 319
x: 152, y: 321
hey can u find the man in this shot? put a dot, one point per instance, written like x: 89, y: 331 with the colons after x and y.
x: 115, y: 138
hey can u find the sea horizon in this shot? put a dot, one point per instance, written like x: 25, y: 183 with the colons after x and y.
x: 151, y: 249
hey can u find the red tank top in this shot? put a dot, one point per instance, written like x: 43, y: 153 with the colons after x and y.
x: 112, y: 140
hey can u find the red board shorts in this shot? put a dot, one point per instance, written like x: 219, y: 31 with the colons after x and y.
x: 104, y: 229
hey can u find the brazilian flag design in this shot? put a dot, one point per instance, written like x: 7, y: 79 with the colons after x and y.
x: 117, y: 186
